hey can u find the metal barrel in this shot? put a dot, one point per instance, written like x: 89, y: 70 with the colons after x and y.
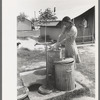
x: 64, y: 74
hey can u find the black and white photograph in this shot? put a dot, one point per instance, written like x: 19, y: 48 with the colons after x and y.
x: 56, y: 49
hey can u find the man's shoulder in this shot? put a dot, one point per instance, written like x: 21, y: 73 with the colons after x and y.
x: 74, y: 29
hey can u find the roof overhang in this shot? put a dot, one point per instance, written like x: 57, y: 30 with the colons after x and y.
x: 50, y: 23
x: 74, y: 12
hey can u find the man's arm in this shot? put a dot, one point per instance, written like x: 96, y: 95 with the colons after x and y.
x: 58, y: 40
x: 62, y: 33
x: 61, y: 42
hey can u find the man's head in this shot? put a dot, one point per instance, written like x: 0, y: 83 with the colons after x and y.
x: 67, y: 21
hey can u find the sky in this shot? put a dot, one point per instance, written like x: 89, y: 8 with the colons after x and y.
x: 63, y: 7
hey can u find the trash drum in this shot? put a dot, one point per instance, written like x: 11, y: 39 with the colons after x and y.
x: 64, y: 74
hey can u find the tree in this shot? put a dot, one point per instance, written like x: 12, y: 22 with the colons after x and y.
x: 32, y: 20
x: 47, y: 15
x: 22, y: 17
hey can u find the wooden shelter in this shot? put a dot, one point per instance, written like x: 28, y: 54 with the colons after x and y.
x: 25, y: 25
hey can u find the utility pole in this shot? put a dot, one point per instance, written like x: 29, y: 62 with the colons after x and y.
x: 54, y: 9
x: 35, y: 15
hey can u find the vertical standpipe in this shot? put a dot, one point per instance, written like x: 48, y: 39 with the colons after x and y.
x: 53, y: 55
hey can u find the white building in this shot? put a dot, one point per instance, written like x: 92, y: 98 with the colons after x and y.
x: 25, y: 25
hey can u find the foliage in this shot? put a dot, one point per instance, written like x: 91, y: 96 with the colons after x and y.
x: 33, y: 20
x: 47, y: 15
x: 22, y: 17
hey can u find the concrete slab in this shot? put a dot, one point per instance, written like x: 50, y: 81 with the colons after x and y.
x: 33, y: 77
x: 57, y: 95
x: 34, y: 66
x: 84, y: 98
x: 38, y: 76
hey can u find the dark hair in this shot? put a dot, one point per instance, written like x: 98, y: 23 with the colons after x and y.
x: 66, y: 19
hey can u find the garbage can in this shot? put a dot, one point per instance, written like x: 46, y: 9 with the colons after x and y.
x: 64, y: 74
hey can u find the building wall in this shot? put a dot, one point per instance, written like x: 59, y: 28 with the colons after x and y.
x: 81, y: 34
x: 53, y: 32
x: 26, y: 25
x: 91, y: 25
x: 89, y: 30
